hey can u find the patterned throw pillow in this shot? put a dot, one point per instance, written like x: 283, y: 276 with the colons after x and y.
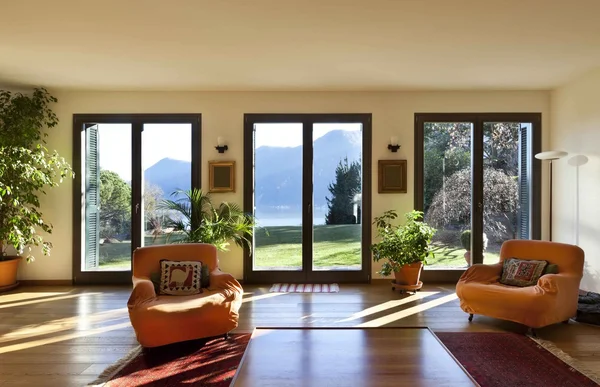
x: 180, y: 278
x: 520, y: 272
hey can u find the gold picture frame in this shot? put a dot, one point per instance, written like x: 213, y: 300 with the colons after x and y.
x: 221, y: 176
x: 392, y: 176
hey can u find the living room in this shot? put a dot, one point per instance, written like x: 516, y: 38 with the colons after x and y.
x: 229, y: 71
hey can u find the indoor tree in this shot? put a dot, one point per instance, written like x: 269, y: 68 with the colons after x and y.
x: 27, y: 169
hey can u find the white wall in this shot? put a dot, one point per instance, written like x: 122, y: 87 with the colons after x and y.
x: 222, y: 115
x: 576, y: 129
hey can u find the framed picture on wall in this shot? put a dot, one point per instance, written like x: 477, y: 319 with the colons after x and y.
x: 392, y: 176
x: 221, y: 176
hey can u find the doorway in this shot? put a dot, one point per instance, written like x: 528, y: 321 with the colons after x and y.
x: 125, y: 165
x: 478, y: 183
x: 307, y: 181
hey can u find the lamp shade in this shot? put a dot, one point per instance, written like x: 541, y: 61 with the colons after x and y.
x: 550, y: 155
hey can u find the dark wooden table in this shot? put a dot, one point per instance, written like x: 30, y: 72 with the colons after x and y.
x: 330, y: 357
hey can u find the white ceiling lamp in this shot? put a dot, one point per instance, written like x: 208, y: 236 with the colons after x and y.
x: 551, y: 156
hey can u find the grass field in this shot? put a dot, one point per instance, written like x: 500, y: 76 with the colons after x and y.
x: 334, y: 246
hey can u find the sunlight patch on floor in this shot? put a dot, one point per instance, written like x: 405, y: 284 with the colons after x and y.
x: 388, y: 305
x: 37, y: 301
x: 378, y: 322
x: 29, y: 296
x: 64, y: 337
x: 261, y: 297
x: 65, y: 324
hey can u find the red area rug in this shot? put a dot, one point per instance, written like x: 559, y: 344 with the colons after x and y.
x: 510, y: 359
x: 200, y: 363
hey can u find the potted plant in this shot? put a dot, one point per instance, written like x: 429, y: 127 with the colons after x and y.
x: 465, y: 241
x: 27, y: 168
x: 405, y: 248
x: 193, y: 218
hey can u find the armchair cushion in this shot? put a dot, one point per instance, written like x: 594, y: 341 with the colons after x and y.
x: 180, y: 278
x: 520, y: 272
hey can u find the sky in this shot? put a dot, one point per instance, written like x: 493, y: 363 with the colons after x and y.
x: 168, y: 140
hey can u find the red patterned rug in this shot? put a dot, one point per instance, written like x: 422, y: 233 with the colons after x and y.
x: 510, y: 359
x: 493, y: 359
x: 201, y: 363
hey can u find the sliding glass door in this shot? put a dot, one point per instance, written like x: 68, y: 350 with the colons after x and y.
x: 477, y: 182
x: 125, y: 165
x: 307, y: 180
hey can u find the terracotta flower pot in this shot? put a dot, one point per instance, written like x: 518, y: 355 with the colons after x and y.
x: 8, y: 272
x: 409, y: 274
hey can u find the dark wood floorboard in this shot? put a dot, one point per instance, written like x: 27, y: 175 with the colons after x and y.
x: 65, y: 336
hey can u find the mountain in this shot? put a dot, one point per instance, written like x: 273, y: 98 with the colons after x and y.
x: 278, y: 176
x: 278, y: 179
x: 170, y: 175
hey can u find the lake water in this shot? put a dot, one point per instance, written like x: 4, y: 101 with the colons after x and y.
x: 289, y: 219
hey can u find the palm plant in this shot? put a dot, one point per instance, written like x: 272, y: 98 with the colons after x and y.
x: 197, y: 220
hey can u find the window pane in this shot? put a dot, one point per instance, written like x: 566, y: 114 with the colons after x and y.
x: 278, y: 197
x: 337, y: 176
x: 447, y: 190
x: 501, y: 165
x: 166, y: 162
x: 114, y: 156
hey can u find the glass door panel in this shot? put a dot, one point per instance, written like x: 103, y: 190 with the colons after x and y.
x: 108, y: 164
x: 447, y: 190
x: 277, y: 161
x: 166, y: 166
x: 337, y: 196
x: 506, y: 185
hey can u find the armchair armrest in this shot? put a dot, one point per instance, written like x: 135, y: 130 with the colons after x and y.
x: 224, y: 281
x: 559, y: 283
x: 143, y: 291
x: 482, y: 273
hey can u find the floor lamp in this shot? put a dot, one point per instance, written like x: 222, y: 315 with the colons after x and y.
x: 550, y: 155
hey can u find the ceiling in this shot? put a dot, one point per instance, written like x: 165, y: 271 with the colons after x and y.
x: 297, y: 44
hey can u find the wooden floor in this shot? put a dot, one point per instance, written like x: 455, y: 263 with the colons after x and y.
x: 66, y: 336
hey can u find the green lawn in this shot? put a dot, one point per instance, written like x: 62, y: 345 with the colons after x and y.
x: 334, y: 246
x: 454, y: 256
x: 117, y: 255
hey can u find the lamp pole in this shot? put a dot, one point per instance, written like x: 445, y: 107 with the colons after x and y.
x: 551, y: 156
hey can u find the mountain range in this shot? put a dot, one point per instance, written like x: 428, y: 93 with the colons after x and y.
x: 278, y: 171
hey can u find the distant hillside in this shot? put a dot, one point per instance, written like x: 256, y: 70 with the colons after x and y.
x: 278, y: 171
x: 170, y: 175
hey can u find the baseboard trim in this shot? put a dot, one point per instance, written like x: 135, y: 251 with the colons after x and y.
x: 65, y: 282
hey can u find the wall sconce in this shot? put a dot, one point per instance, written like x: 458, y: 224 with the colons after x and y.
x: 220, y: 147
x: 393, y: 145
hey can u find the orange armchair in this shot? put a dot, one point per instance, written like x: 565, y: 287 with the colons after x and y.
x: 552, y: 300
x: 163, y: 319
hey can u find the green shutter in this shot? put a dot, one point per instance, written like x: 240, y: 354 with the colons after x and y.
x: 523, y: 221
x: 92, y: 198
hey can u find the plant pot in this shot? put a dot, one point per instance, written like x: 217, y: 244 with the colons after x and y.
x: 468, y: 257
x: 8, y: 273
x: 409, y: 274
